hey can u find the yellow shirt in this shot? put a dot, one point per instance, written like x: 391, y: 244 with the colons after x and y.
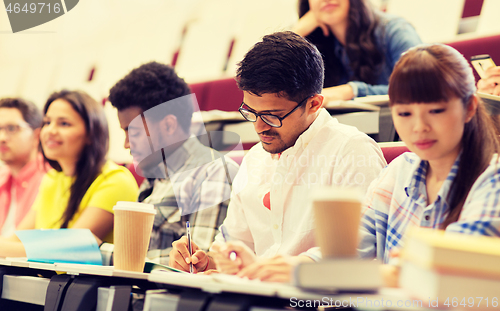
x: 114, y: 184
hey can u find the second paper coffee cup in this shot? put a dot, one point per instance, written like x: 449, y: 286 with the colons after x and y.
x: 337, y: 214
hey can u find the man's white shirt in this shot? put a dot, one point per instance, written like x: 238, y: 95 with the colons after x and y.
x: 327, y: 153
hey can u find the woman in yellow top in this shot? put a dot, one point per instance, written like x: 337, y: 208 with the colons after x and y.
x: 83, y: 187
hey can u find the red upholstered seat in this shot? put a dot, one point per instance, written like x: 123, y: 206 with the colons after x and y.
x: 237, y: 156
x: 137, y: 177
x: 472, y: 8
x: 200, y: 90
x: 223, y: 95
x: 392, y: 150
x: 218, y: 95
x: 484, y: 45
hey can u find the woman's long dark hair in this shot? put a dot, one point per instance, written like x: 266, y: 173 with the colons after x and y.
x: 93, y: 155
x: 364, y: 55
x: 437, y: 73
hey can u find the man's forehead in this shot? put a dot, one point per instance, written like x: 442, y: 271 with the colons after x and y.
x: 125, y: 116
x: 8, y: 113
x: 266, y: 102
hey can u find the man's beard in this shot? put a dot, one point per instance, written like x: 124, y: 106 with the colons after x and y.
x: 274, y: 149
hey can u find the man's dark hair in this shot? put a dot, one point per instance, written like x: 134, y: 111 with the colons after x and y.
x: 283, y: 63
x: 31, y: 114
x: 150, y: 85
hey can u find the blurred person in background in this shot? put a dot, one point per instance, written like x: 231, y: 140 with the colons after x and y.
x: 490, y: 84
x: 82, y: 188
x: 359, y: 44
x: 20, y: 177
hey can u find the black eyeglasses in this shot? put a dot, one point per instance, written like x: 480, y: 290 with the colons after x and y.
x: 268, y: 118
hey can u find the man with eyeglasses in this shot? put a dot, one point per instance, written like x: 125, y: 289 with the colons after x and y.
x: 302, y: 147
x: 20, y: 177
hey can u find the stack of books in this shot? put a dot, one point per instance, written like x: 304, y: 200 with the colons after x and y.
x: 451, y: 269
x: 339, y: 275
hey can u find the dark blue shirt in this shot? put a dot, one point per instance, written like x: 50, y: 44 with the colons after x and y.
x: 393, y: 36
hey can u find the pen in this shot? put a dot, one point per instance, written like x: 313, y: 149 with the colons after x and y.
x: 225, y: 235
x: 188, y: 233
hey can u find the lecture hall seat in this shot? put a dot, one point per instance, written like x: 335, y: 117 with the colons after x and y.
x: 483, y: 45
x: 488, y: 19
x: 429, y: 15
x: 138, y: 178
x: 223, y: 94
x: 392, y: 150
x: 200, y: 91
x: 472, y: 8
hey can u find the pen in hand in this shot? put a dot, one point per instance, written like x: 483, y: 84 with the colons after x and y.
x: 225, y: 235
x: 190, y: 247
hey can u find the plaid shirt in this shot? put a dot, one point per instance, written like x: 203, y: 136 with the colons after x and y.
x: 196, y: 190
x: 397, y: 200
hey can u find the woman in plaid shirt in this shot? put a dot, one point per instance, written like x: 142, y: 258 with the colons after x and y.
x: 451, y: 180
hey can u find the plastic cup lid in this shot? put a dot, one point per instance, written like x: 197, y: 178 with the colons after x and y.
x: 325, y: 193
x: 135, y: 207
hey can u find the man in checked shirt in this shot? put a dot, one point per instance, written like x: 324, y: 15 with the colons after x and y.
x: 185, y: 180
